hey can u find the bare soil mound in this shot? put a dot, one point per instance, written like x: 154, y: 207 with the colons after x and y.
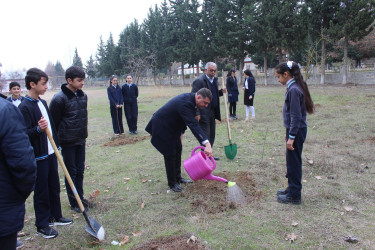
x: 171, y: 243
x: 210, y: 196
x: 124, y: 140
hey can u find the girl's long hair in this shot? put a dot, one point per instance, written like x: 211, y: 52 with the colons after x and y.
x: 230, y: 72
x: 295, y: 72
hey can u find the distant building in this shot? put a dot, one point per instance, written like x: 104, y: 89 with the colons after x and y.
x: 189, y: 70
x: 248, y: 64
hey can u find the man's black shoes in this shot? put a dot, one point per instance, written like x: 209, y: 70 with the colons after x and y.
x: 182, y: 180
x: 216, y: 158
x: 47, y: 232
x: 285, y: 199
x: 176, y: 188
x: 283, y: 191
x: 60, y: 222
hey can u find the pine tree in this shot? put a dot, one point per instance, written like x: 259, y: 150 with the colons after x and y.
x: 90, y: 68
x: 77, y: 61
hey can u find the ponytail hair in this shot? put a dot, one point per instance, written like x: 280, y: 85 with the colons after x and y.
x: 295, y: 72
x: 230, y: 72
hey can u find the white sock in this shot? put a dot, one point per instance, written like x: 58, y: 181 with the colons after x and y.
x: 252, y: 111
x: 247, y: 110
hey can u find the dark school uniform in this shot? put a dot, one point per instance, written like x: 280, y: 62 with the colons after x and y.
x: 115, y: 98
x: 249, y: 91
x: 294, y: 119
x: 130, y: 95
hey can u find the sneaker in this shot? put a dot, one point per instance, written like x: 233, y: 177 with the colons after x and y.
x: 135, y: 132
x: 19, y: 244
x: 285, y: 199
x: 88, y: 204
x: 282, y: 191
x: 47, y: 232
x: 60, y: 222
x: 130, y: 132
x: 235, y: 117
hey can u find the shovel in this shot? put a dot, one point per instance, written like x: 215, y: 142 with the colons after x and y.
x: 92, y: 226
x: 231, y: 149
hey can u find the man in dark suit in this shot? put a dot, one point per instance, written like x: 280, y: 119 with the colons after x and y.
x: 169, y: 123
x: 208, y: 115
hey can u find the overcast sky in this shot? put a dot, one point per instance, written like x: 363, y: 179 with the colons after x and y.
x: 34, y: 32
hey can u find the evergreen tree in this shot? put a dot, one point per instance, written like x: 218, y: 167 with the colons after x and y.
x: 59, y: 70
x: 101, y: 59
x: 77, y: 61
x: 90, y: 68
x: 353, y: 21
x: 206, y: 37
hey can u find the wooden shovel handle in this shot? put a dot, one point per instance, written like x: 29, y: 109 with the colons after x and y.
x: 226, y: 109
x: 67, y: 175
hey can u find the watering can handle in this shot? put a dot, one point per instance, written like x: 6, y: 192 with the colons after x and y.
x: 211, y: 158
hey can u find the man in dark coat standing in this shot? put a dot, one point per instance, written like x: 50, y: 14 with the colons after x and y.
x: 208, y: 115
x: 169, y: 123
x: 17, y: 173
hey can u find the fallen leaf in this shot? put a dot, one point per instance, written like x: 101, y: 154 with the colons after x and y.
x: 21, y: 234
x: 75, y: 216
x: 126, y: 179
x: 118, y: 151
x: 144, y: 180
x: 106, y: 191
x: 94, y: 194
x: 351, y: 239
x: 124, y: 240
x: 121, y: 199
x: 95, y: 242
x: 291, y: 237
x: 294, y: 224
x: 137, y: 233
x: 304, y: 181
x: 310, y: 162
x: 318, y: 177
x: 192, y: 239
x: 330, y: 177
x: 348, y: 209
x: 143, y: 205
x: 327, y: 146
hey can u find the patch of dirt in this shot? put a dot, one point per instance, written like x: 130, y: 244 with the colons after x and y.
x: 371, y: 96
x: 124, y: 140
x: 210, y: 196
x: 171, y: 243
x: 371, y: 140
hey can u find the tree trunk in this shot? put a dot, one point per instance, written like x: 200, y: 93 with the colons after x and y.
x: 323, y: 63
x: 198, y: 68
x: 265, y: 70
x: 241, y: 70
x: 170, y: 75
x: 183, y: 73
x: 345, y: 69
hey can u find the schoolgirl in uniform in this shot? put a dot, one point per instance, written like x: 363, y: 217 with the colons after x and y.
x: 297, y: 102
x: 249, y: 88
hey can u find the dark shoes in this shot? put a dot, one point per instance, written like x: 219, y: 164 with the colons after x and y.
x: 216, y: 158
x: 283, y: 191
x: 135, y: 132
x: 19, y: 244
x: 88, y: 204
x: 60, y: 222
x: 77, y: 209
x: 182, y: 180
x: 285, y: 199
x: 47, y: 232
x: 176, y: 188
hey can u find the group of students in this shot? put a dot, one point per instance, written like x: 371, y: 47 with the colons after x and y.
x: 22, y: 172
x: 249, y: 93
x: 119, y: 97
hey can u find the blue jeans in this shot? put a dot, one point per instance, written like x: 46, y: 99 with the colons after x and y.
x: 294, y: 164
x: 74, y: 159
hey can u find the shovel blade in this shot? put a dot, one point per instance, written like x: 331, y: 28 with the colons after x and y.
x: 95, y: 229
x: 231, y: 151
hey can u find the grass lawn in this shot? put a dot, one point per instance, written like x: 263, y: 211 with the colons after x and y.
x: 338, y: 189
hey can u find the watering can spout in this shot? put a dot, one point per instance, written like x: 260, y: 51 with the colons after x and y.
x: 213, y: 177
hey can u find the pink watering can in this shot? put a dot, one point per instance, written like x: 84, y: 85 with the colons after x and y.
x: 199, y: 166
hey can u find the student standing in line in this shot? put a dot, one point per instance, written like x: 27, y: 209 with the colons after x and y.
x: 69, y: 112
x: 233, y: 93
x: 130, y: 95
x: 15, y: 90
x: 297, y: 102
x: 115, y: 102
x: 37, y: 117
x: 249, y: 88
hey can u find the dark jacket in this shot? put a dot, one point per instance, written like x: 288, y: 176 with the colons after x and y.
x: 294, y: 111
x: 11, y: 99
x: 130, y: 93
x: 69, y: 112
x: 250, y: 91
x: 232, y: 89
x: 17, y: 168
x: 3, y: 96
x: 115, y: 96
x: 203, y: 82
x: 170, y: 121
x: 31, y: 113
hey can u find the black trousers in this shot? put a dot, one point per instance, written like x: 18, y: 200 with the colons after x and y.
x: 208, y: 126
x: 294, y: 164
x: 116, y: 114
x: 232, y: 108
x: 74, y: 159
x: 131, y: 114
x: 47, y: 192
x: 173, y: 165
x: 8, y: 242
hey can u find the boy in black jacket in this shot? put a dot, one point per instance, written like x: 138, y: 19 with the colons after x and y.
x: 69, y: 113
x: 37, y: 117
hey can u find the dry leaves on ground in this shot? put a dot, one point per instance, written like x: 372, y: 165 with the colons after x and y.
x: 137, y: 233
x: 126, y: 179
x: 348, y: 209
x: 192, y: 239
x: 124, y: 240
x: 294, y: 224
x: 94, y: 194
x: 318, y: 177
x: 291, y: 237
x: 143, y: 205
